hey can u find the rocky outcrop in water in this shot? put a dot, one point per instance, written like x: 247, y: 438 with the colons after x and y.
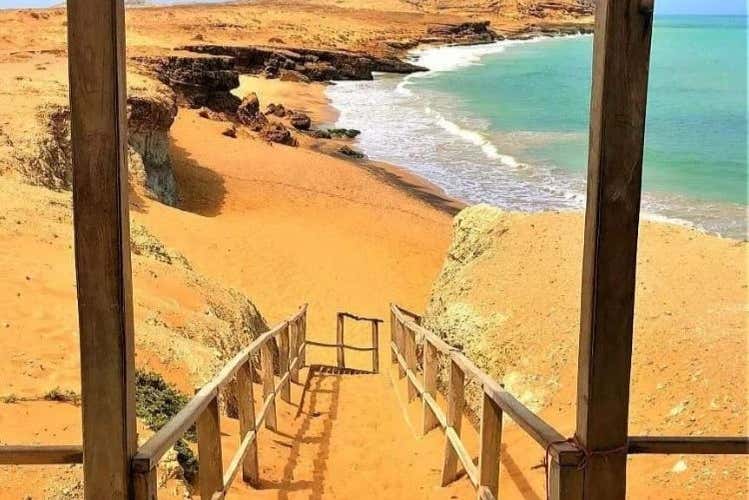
x: 199, y: 81
x: 473, y: 32
x: 315, y: 64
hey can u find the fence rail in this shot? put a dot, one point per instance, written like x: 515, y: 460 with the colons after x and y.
x: 565, y: 457
x: 203, y: 412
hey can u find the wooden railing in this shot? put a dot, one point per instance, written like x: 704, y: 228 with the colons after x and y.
x: 203, y: 412
x: 564, y: 457
x: 341, y: 346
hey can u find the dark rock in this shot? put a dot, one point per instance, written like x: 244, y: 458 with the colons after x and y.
x: 276, y: 110
x: 351, y: 153
x: 344, y: 132
x: 474, y: 32
x: 230, y: 131
x: 300, y: 121
x: 249, y: 107
x: 276, y: 132
x: 292, y: 75
x: 319, y: 134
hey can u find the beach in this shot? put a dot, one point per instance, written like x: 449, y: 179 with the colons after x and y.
x: 290, y: 225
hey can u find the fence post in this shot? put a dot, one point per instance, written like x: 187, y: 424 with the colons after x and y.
x: 283, y: 362
x: 491, y: 440
x: 339, y: 341
x: 455, y: 397
x: 210, y: 473
x: 430, y: 385
x: 268, y: 386
x: 410, y: 338
x: 246, y: 399
x: 294, y: 349
x: 393, y: 339
x: 401, y: 345
x: 565, y: 473
x: 145, y: 485
x: 376, y: 345
x: 303, y: 331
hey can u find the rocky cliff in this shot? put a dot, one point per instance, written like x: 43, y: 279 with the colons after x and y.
x: 41, y: 152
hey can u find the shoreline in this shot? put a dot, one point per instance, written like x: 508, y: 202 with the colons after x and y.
x: 666, y: 213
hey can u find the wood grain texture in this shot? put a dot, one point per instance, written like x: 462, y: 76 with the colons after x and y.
x: 269, y: 387
x: 145, y: 485
x: 431, y: 369
x: 455, y: 401
x: 210, y: 470
x: 339, y: 340
x: 40, y: 454
x: 96, y: 64
x: 246, y: 397
x: 409, y: 338
x: 490, y: 444
x: 376, y: 345
x: 617, y: 125
x: 283, y: 363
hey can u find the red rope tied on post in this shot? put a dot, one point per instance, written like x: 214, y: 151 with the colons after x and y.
x: 587, y: 454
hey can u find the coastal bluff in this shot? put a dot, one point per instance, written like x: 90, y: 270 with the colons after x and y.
x: 508, y: 296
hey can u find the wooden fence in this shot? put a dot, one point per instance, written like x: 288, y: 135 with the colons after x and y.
x: 203, y: 412
x: 341, y: 346
x: 564, y: 457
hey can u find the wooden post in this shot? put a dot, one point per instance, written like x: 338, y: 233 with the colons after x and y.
x: 283, y: 362
x: 565, y: 474
x: 376, y: 345
x: 455, y: 397
x: 430, y: 384
x: 145, y: 485
x: 339, y: 341
x: 410, y: 338
x: 617, y: 125
x: 401, y: 345
x: 246, y: 400
x: 268, y: 386
x: 303, y: 339
x: 210, y: 469
x: 393, y: 338
x: 96, y: 65
x: 294, y: 349
x: 491, y: 440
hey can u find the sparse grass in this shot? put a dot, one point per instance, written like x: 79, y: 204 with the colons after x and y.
x: 156, y: 402
x: 63, y: 396
x: 10, y: 399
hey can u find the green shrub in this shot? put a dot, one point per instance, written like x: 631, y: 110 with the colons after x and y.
x: 156, y: 402
x: 58, y: 394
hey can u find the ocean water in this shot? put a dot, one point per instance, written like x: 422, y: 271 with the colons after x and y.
x: 507, y: 123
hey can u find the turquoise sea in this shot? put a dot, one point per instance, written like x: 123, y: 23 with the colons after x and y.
x: 507, y: 123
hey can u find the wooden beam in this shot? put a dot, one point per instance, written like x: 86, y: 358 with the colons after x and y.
x: 40, y: 455
x: 96, y: 65
x: 692, y: 445
x: 409, y: 338
x: 246, y: 405
x: 210, y: 470
x: 617, y: 125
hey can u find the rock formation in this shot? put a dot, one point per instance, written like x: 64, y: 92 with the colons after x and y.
x: 199, y: 81
x: 314, y: 64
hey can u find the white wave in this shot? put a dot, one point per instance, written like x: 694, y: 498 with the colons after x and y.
x: 473, y: 137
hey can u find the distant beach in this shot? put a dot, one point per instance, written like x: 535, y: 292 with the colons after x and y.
x: 507, y: 123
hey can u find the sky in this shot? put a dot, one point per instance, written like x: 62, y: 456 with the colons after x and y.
x: 725, y: 7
